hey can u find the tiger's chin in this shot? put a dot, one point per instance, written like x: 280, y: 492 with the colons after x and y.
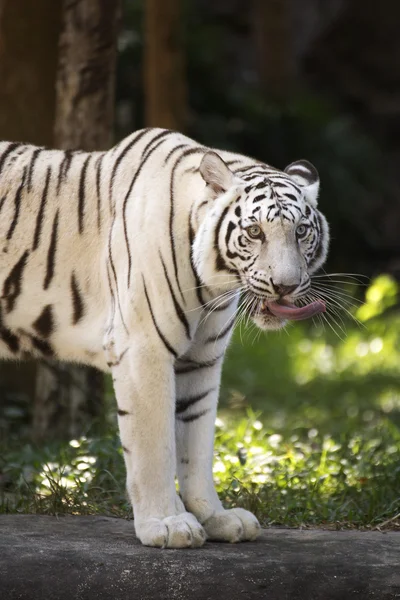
x: 268, y: 322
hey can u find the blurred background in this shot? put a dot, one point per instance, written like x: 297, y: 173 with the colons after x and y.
x: 309, y: 426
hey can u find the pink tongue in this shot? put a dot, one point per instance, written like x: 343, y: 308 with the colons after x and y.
x: 294, y: 313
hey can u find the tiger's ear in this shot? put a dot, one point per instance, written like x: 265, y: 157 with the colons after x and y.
x: 306, y: 175
x: 215, y: 173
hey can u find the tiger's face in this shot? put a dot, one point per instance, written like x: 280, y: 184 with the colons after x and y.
x: 261, y: 228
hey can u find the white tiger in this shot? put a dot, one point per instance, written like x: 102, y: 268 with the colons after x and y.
x: 132, y: 260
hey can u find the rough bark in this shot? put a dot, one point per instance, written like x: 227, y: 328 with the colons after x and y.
x: 86, y: 74
x: 164, y: 77
x: 28, y: 61
x: 67, y: 397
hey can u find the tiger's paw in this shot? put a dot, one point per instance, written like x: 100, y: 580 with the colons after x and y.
x: 234, y: 525
x: 180, y: 531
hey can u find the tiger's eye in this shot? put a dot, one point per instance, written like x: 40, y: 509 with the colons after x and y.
x: 301, y: 230
x: 254, y: 231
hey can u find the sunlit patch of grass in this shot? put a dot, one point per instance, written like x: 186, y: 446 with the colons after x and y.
x: 309, y: 478
x: 84, y: 476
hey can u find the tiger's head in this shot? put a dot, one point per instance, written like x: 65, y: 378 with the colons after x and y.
x: 259, y: 230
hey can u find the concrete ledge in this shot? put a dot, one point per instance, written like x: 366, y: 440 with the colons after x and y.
x: 70, y: 558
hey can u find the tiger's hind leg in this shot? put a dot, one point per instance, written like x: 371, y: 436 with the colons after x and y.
x: 144, y: 385
x: 197, y: 397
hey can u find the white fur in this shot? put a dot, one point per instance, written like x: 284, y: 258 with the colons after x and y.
x: 140, y: 339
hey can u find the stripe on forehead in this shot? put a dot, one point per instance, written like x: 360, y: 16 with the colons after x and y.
x: 261, y: 176
x: 288, y: 194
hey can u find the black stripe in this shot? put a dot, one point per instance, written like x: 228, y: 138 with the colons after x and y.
x: 122, y: 413
x: 64, y: 168
x: 290, y: 197
x: 194, y: 366
x: 303, y: 286
x: 183, y: 404
x: 121, y: 156
x: 171, y: 152
x: 11, y: 340
x: 220, y: 336
x: 177, y: 306
x: 42, y: 346
x: 199, y: 285
x: 98, y: 191
x: 44, y: 324
x: 161, y: 135
x: 34, y: 158
x: 220, y: 263
x: 162, y: 337
x: 192, y: 418
x: 13, y: 283
x: 260, y: 289
x: 82, y: 194
x: 2, y: 201
x: 286, y: 208
x: 51, y: 254
x: 10, y: 148
x: 229, y: 230
x: 190, y: 151
x: 319, y: 249
x: 17, y: 203
x: 40, y: 216
x: 77, y: 301
x: 125, y: 449
x: 249, y: 265
x: 262, y: 281
x: 242, y: 240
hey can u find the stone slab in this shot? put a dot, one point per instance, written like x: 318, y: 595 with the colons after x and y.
x: 79, y: 558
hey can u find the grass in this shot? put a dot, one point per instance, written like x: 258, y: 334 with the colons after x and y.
x: 308, y: 433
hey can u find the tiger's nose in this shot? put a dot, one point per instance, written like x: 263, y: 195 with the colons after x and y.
x: 283, y: 290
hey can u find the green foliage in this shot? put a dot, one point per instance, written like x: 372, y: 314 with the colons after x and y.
x: 347, y: 480
x: 322, y: 447
x: 84, y: 476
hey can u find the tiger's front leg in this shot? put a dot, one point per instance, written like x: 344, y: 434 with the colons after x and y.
x: 144, y: 384
x: 197, y: 398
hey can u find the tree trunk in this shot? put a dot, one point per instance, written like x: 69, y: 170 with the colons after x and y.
x: 67, y: 397
x: 28, y: 61
x: 86, y: 74
x: 29, y: 34
x: 164, y: 78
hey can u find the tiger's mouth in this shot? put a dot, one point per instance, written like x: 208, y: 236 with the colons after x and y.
x: 283, y: 309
